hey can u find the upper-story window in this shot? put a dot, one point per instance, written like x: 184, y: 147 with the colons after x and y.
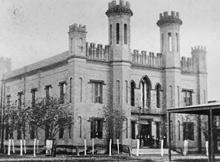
x: 62, y: 91
x: 47, y: 91
x: 125, y: 34
x: 8, y: 100
x: 110, y: 34
x: 158, y: 90
x: 118, y: 91
x: 33, y: 97
x: 133, y: 93
x: 187, y: 97
x: 145, y: 89
x: 97, y: 91
x: 162, y: 42
x: 177, y: 42
x: 117, y: 33
x: 170, y: 41
x: 20, y: 94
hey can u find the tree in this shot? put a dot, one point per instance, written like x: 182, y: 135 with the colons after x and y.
x: 114, y: 122
x: 49, y: 115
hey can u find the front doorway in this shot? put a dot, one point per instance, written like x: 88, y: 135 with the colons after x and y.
x: 146, y: 135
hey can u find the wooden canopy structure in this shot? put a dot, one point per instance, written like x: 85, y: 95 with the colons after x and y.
x: 211, y: 110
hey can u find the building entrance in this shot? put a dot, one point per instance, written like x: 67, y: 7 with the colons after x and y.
x: 146, y: 135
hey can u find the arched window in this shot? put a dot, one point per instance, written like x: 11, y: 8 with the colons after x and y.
x: 158, y: 89
x: 145, y: 90
x: 132, y: 93
x: 117, y: 33
x: 125, y: 34
x: 170, y: 41
x: 177, y: 42
x: 110, y: 33
x: 178, y: 129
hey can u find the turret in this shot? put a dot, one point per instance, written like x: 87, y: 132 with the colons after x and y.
x: 77, y: 40
x: 169, y: 24
x: 199, y: 58
x: 119, y: 29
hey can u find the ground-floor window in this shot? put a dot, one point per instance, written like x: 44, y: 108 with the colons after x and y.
x: 188, y: 130
x: 97, y: 128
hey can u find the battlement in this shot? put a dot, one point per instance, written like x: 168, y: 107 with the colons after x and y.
x: 77, y: 28
x: 122, y: 7
x: 187, y: 64
x: 169, y: 17
x: 198, y: 49
x: 150, y: 59
x: 97, y: 52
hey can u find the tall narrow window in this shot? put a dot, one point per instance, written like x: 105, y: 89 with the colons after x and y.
x: 126, y: 95
x: 158, y: 89
x: 62, y: 91
x: 80, y: 127
x: 170, y: 41
x: 8, y: 100
x: 126, y: 127
x: 178, y: 129
x: 97, y: 91
x: 187, y: 97
x: 96, y: 128
x: 132, y: 93
x: 117, y: 33
x: 47, y: 91
x: 32, y: 131
x: 146, y: 95
x: 61, y: 132
x: 71, y: 89
x: 177, y: 42
x: 71, y: 45
x: 171, y: 96
x: 162, y: 42
x: 188, y: 130
x: 81, y: 82
x: 204, y: 93
x: 20, y: 99
x: 33, y: 96
x: 133, y: 133
x: 178, y: 93
x: 118, y: 92
x: 110, y: 34
x: 70, y: 131
x: 157, y: 130
x: 125, y: 34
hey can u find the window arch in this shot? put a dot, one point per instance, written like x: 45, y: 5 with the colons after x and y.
x: 133, y: 93
x: 158, y: 90
x: 145, y: 86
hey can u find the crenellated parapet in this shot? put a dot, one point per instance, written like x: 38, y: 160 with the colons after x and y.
x: 168, y: 18
x: 120, y: 8
x: 77, y: 28
x: 187, y: 64
x: 147, y: 59
x: 198, y: 50
x: 97, y: 52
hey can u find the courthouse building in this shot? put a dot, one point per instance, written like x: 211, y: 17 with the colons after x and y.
x: 142, y: 84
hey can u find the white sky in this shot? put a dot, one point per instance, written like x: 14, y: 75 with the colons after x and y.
x: 31, y: 30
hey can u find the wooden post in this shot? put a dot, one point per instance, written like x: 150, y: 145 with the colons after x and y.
x: 110, y: 147
x: 85, y: 147
x: 212, y: 138
x: 93, y: 143
x: 169, y: 139
x: 118, y: 145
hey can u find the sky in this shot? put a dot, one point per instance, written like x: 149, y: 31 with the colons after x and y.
x: 31, y: 30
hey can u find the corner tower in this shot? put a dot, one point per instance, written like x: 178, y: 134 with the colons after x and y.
x: 119, y: 29
x: 169, y: 38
